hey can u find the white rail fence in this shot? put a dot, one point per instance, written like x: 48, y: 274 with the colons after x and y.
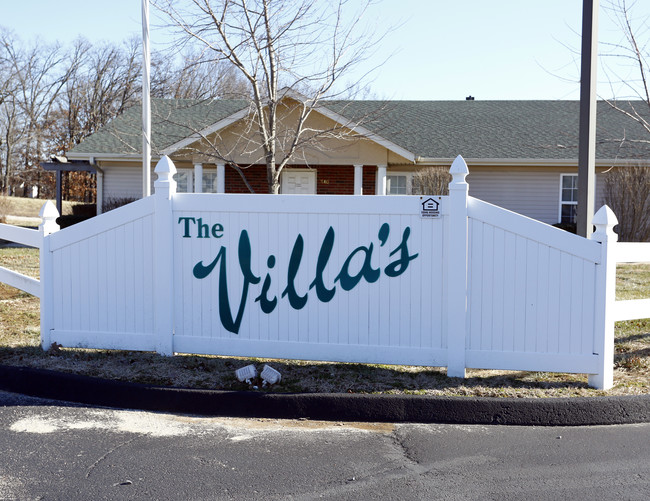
x: 631, y: 309
x: 437, y: 281
x: 30, y: 238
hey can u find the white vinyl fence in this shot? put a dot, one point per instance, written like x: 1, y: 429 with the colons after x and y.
x: 437, y: 281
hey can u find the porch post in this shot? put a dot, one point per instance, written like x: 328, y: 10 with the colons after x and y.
x: 100, y: 192
x: 59, y: 191
x: 358, y: 179
x: 163, y: 280
x: 605, y: 288
x: 221, y: 178
x: 457, y: 269
x: 198, y: 178
x: 381, y: 180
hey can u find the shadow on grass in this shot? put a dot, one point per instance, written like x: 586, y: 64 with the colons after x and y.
x: 643, y: 338
x: 218, y: 373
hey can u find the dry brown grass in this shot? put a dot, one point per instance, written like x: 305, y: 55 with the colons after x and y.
x: 27, y: 207
x: 4, y: 209
x: 19, y: 345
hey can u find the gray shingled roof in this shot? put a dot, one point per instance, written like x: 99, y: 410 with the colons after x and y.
x: 433, y: 129
x: 171, y: 121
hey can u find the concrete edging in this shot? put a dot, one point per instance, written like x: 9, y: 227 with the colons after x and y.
x: 327, y: 406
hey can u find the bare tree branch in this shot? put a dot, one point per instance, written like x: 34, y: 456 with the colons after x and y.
x: 292, y: 53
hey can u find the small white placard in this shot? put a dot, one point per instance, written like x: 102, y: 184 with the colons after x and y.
x: 430, y: 207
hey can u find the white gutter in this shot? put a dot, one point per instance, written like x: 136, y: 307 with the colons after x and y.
x: 99, y: 193
x: 532, y: 162
x: 108, y: 156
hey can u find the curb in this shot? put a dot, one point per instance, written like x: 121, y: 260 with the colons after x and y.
x: 327, y: 406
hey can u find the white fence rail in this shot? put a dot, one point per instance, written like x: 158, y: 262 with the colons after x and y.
x: 631, y: 309
x: 23, y: 236
x: 439, y: 281
x: 31, y: 238
x: 20, y: 281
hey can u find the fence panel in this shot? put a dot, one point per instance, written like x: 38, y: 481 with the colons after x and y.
x: 327, y: 278
x: 442, y: 281
x: 102, y: 271
x: 530, y: 294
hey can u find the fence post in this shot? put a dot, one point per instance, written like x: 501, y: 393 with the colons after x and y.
x: 165, y: 189
x: 605, y: 220
x: 48, y: 226
x: 457, y: 271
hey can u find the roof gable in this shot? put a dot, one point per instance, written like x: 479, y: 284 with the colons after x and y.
x: 172, y: 120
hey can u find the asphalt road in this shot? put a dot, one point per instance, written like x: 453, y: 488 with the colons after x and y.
x: 51, y: 451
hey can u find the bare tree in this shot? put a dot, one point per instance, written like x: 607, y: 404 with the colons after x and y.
x: 631, y: 90
x: 9, y: 142
x: 627, y: 192
x: 196, y: 77
x: 38, y: 73
x: 101, y: 84
x: 8, y: 115
x: 295, y: 49
x: 104, y: 83
x: 627, y: 189
x: 431, y: 181
x: 52, y: 97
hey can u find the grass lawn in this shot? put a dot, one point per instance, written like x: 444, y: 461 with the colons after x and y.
x: 19, y: 345
x: 24, y: 211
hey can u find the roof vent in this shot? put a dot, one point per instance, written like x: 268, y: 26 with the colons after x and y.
x: 469, y: 98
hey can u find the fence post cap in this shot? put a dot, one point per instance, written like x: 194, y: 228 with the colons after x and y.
x: 165, y: 166
x: 604, y: 220
x: 459, y: 166
x: 165, y: 184
x: 48, y: 215
x: 48, y: 211
x: 458, y: 173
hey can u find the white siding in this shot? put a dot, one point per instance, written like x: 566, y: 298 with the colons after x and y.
x: 533, y: 194
x: 123, y: 182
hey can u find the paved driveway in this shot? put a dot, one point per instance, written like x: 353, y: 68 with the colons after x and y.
x: 52, y: 451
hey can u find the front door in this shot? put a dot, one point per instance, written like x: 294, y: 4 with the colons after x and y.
x: 298, y: 182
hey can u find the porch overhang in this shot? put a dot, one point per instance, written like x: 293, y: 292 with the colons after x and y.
x: 62, y: 164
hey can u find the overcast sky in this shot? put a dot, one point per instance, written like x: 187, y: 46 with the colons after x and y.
x: 440, y: 49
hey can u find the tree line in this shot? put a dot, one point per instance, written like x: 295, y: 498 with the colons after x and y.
x: 52, y: 96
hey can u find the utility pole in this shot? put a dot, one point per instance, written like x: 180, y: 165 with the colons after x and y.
x: 587, y: 142
x: 146, y: 103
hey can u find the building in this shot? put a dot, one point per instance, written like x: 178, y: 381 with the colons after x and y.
x: 522, y: 155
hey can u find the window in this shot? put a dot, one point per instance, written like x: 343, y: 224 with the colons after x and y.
x: 568, y: 198
x: 399, y: 183
x: 184, y: 181
x: 209, y: 181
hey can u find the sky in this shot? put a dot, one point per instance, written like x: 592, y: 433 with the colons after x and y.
x: 436, y: 49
